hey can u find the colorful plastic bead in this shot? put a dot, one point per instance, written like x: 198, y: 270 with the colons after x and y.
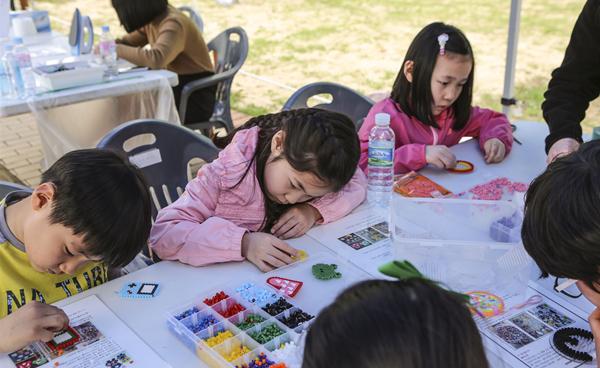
x: 203, y: 323
x: 219, y: 338
x: 266, y: 334
x: 216, y: 298
x: 279, y: 306
x: 187, y: 313
x: 250, y: 321
x: 296, y: 318
x: 236, y: 353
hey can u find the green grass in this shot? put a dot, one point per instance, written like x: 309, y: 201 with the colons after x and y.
x: 361, y: 43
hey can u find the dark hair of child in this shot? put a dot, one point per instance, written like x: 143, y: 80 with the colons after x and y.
x: 105, y: 198
x: 561, y: 228
x: 415, y: 98
x: 321, y: 142
x: 134, y: 14
x: 383, y: 324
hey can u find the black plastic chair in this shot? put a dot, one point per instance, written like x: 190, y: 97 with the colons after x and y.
x: 344, y: 100
x: 229, y: 55
x: 190, y: 12
x: 7, y: 187
x: 163, y: 156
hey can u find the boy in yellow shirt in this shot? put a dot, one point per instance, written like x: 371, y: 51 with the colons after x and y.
x: 91, y: 210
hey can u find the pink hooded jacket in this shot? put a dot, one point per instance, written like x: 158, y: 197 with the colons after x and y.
x: 207, y: 223
x: 412, y: 136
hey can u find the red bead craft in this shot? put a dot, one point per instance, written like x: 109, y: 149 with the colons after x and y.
x: 417, y: 185
x: 63, y: 340
x: 287, y: 286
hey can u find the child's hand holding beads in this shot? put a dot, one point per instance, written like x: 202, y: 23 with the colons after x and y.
x: 266, y: 251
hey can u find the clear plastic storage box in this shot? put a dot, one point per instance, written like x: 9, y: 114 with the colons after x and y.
x: 196, y: 322
x: 467, y: 244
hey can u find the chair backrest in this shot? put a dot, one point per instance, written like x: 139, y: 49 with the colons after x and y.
x: 162, y: 151
x: 7, y: 187
x: 343, y: 100
x: 194, y: 16
x: 230, y: 50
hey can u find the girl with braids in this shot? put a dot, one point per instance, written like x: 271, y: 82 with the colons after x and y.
x: 276, y: 177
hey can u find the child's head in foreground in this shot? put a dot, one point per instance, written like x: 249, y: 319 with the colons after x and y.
x: 561, y: 228
x: 410, y: 323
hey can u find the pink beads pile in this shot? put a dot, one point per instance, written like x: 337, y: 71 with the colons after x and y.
x: 494, y: 189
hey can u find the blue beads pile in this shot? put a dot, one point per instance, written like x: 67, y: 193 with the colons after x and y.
x: 187, y: 313
x: 257, y: 295
x: 202, y: 323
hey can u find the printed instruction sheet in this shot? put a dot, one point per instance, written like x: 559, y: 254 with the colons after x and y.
x: 100, y: 339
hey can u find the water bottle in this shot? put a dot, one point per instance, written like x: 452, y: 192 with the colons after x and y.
x: 23, y: 58
x: 9, y: 61
x: 7, y: 89
x: 108, y: 52
x: 381, y: 161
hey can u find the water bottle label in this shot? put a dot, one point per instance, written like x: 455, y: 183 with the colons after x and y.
x: 107, y: 47
x: 381, y: 157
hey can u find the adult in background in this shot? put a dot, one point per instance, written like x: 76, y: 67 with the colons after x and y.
x: 574, y: 84
x: 176, y: 44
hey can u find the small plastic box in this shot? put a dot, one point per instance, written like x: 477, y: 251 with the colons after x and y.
x: 68, y: 75
x: 314, y: 295
x: 466, y: 244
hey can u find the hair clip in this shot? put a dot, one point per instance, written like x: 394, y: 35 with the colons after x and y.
x: 442, y: 39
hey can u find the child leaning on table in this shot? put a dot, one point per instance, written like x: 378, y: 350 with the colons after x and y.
x: 278, y: 175
x: 430, y: 105
x: 409, y: 323
x: 561, y: 227
x: 91, y: 210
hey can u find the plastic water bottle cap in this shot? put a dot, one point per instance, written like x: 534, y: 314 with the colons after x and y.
x: 105, y: 29
x: 17, y: 40
x: 382, y: 119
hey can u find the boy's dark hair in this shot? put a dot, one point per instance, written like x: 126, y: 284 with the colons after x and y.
x: 561, y: 228
x: 410, y: 323
x: 134, y: 14
x: 322, y: 142
x: 415, y: 98
x: 105, y: 198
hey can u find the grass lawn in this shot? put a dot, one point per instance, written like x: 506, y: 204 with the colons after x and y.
x: 361, y: 43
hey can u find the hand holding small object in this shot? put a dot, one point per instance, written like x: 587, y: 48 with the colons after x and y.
x: 34, y: 321
x: 266, y: 251
x: 440, y: 156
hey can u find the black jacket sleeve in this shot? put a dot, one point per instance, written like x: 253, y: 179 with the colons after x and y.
x: 577, y: 81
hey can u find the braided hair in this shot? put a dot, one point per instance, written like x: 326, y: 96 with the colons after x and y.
x: 321, y: 142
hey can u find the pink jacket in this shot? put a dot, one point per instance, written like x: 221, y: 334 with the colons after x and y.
x: 412, y: 136
x: 206, y: 224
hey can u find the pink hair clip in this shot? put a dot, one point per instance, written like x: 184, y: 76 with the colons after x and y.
x: 442, y: 39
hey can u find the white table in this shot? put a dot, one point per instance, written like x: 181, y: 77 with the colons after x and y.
x: 180, y: 283
x: 79, y: 117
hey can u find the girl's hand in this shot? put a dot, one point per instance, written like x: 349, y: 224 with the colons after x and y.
x: 296, y: 221
x: 494, y: 150
x: 440, y: 157
x: 266, y: 251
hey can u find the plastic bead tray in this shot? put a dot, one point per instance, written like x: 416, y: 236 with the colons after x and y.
x: 186, y: 321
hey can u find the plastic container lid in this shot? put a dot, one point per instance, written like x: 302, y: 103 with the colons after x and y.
x: 382, y: 119
x: 105, y: 29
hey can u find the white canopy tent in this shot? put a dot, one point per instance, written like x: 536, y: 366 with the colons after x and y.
x: 508, y: 97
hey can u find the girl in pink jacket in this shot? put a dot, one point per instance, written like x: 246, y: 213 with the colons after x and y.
x: 277, y: 176
x: 430, y: 105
